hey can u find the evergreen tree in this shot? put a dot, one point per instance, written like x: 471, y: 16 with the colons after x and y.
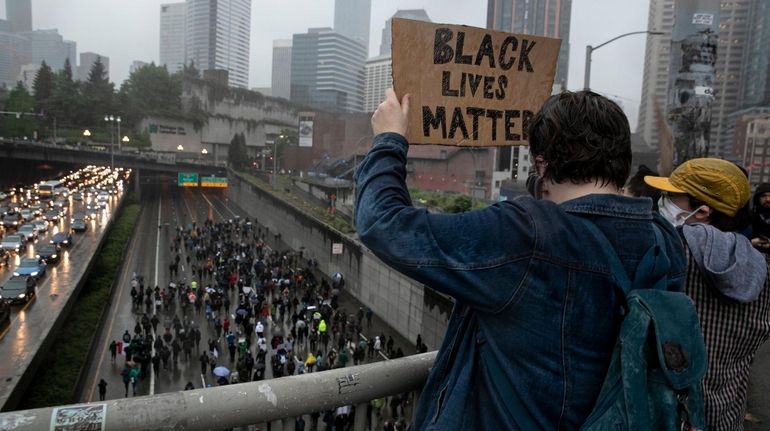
x: 43, y: 86
x: 66, y: 100
x: 237, y: 155
x: 98, y: 94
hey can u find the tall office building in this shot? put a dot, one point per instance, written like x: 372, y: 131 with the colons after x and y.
x: 87, y: 60
x: 173, y: 18
x: 756, y: 88
x: 49, y: 46
x: 19, y: 15
x: 281, y: 78
x: 415, y: 14
x: 734, y: 31
x: 217, y: 37
x: 14, y: 52
x: 352, y: 19
x: 549, y: 18
x: 379, y: 77
x: 327, y: 71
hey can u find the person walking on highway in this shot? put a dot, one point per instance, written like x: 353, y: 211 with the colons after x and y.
x: 103, y: 389
x: 113, y: 350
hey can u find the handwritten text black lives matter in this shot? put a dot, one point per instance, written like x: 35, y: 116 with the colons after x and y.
x: 512, y: 53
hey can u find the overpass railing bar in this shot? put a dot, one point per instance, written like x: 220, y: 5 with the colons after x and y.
x: 238, y: 404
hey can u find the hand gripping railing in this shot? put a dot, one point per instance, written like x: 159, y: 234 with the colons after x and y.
x: 239, y: 404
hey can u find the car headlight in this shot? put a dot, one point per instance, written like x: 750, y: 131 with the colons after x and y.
x: 15, y: 273
x: 37, y: 256
x: 34, y: 273
x: 22, y: 295
x: 53, y: 256
x: 65, y: 242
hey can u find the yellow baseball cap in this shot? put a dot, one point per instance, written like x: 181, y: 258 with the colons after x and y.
x: 716, y: 182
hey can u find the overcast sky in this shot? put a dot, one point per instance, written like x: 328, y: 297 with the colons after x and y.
x: 128, y: 30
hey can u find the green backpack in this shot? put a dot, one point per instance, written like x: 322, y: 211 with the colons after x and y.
x: 654, y: 378
x: 659, y: 360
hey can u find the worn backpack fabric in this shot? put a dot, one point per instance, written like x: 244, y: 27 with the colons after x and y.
x: 654, y: 378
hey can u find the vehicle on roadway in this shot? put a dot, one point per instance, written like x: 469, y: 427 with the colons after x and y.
x: 12, y: 243
x: 31, y: 266
x: 48, y: 252
x: 79, y: 225
x: 41, y: 225
x: 18, y: 290
x: 28, y: 231
x: 12, y: 220
x: 27, y: 214
x: 52, y: 215
x: 62, y: 239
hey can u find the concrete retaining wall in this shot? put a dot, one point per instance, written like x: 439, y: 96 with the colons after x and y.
x: 406, y: 305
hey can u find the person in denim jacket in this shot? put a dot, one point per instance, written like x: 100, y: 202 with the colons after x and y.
x: 531, y: 290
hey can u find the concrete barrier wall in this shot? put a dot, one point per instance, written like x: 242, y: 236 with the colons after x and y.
x: 406, y: 305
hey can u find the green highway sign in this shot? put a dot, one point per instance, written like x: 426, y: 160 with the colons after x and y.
x: 219, y: 182
x: 187, y: 179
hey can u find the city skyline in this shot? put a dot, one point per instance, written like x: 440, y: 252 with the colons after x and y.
x: 617, y: 68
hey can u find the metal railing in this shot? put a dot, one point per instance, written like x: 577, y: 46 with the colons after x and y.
x: 238, y: 404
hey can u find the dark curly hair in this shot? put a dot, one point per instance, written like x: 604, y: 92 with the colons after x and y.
x: 583, y: 137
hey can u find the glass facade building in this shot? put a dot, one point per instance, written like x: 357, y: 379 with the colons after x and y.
x: 327, y: 71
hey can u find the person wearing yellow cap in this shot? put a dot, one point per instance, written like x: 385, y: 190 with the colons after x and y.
x: 726, y: 277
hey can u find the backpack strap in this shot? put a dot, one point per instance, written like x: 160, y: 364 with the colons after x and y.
x: 649, y: 276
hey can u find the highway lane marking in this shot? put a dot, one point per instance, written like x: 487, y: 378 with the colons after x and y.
x: 225, y: 206
x: 191, y: 214
x: 154, y: 305
x: 211, y: 205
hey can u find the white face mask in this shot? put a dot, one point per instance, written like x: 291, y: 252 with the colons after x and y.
x: 671, y: 211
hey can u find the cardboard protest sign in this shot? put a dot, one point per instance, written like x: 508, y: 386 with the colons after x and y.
x: 470, y: 86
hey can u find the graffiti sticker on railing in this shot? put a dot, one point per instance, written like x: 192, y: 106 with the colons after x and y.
x: 348, y: 382
x: 80, y: 418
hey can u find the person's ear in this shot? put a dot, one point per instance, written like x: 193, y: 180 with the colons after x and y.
x: 702, y: 214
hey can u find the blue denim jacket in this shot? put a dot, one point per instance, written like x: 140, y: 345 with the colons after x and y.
x: 530, y: 287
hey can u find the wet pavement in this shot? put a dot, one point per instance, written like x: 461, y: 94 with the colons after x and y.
x: 31, y: 323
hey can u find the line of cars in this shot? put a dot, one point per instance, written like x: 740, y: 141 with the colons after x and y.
x: 28, y: 214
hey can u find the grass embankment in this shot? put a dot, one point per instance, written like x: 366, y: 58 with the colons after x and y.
x: 322, y: 214
x: 55, y: 381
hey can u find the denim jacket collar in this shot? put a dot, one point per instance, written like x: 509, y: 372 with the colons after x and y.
x: 610, y: 205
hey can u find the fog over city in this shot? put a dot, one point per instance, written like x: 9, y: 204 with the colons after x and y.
x: 126, y: 31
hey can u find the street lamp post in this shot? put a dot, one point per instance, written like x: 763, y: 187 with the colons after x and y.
x: 112, y: 119
x: 590, y: 49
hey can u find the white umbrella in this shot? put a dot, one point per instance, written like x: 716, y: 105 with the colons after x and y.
x: 221, y: 371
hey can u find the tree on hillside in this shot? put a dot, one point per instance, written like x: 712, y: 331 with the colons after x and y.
x: 98, y: 94
x: 288, y: 137
x: 150, y: 90
x: 190, y: 71
x: 237, y: 156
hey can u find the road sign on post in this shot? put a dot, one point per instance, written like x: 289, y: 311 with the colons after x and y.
x: 218, y: 182
x: 187, y: 179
